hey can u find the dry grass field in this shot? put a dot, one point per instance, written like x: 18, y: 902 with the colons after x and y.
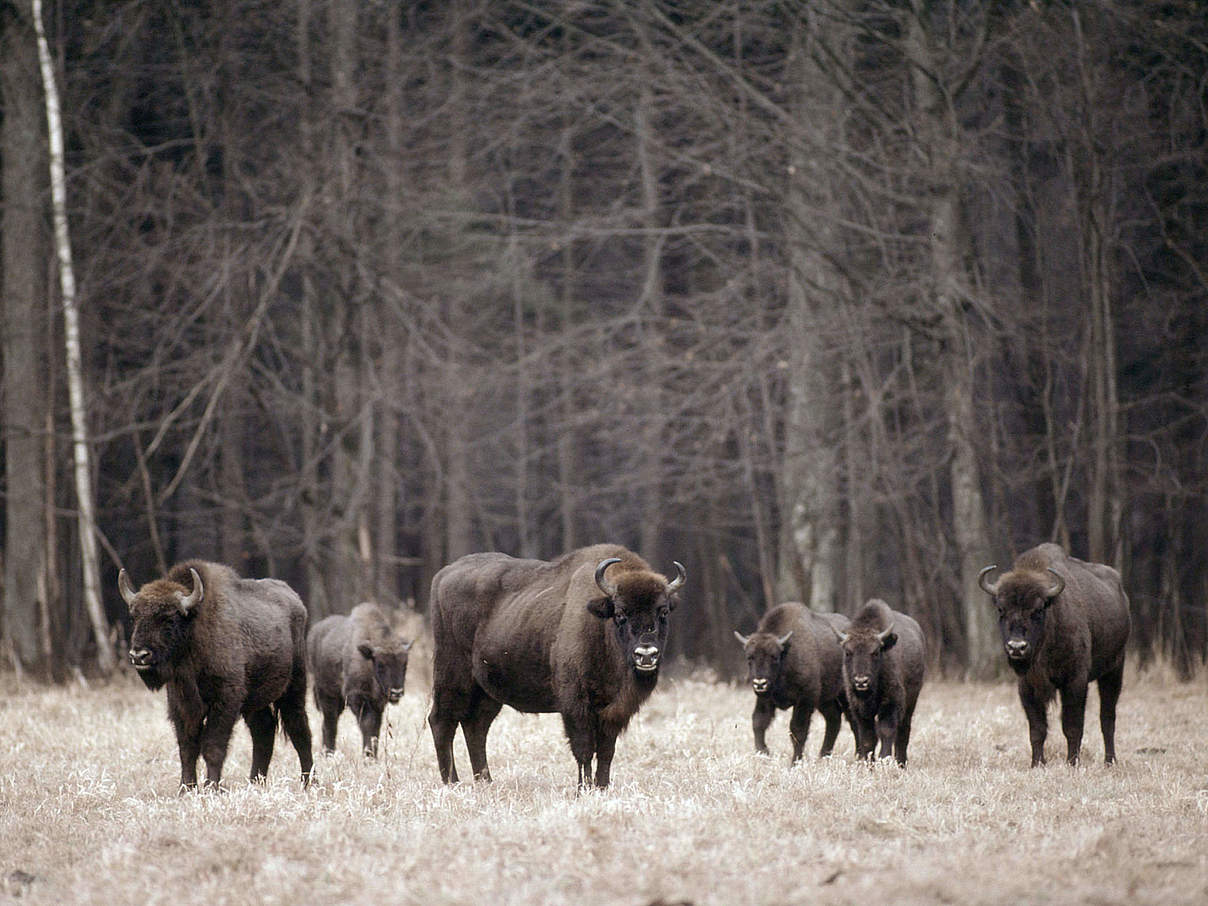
x: 89, y: 811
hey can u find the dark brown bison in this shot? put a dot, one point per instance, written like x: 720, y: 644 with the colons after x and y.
x: 582, y: 635
x: 224, y: 647
x: 1064, y: 625
x: 793, y: 661
x: 883, y: 665
x: 356, y: 660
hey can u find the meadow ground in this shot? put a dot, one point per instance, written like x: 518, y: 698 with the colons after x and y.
x: 89, y: 811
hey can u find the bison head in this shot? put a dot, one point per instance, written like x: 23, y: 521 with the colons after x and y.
x: 765, y: 655
x: 1023, y: 599
x: 638, y: 604
x: 162, y: 613
x: 389, y: 664
x: 863, y: 648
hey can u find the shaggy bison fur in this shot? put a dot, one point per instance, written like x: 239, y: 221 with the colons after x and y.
x: 793, y: 661
x: 223, y: 647
x: 1064, y: 625
x: 883, y: 665
x: 582, y: 636
x: 356, y: 660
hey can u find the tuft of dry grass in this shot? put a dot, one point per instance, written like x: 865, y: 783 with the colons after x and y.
x: 89, y: 811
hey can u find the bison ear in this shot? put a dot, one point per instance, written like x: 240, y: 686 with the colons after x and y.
x: 601, y: 607
x: 366, y: 651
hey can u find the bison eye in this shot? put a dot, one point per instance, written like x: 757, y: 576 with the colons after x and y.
x: 621, y: 619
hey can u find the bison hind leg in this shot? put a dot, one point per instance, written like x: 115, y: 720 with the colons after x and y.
x: 291, y: 708
x: 1109, y: 693
x: 263, y: 726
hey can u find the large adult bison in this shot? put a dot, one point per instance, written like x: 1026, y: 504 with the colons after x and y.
x: 224, y: 647
x: 884, y: 654
x: 582, y: 635
x: 1064, y: 625
x: 793, y: 661
x: 356, y: 660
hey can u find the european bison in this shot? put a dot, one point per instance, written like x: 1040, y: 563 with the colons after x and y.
x: 883, y: 665
x: 224, y: 647
x: 1064, y: 624
x: 794, y: 662
x: 581, y: 635
x: 356, y: 660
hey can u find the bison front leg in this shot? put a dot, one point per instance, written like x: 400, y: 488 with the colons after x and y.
x: 187, y: 715
x: 1038, y: 722
x: 799, y: 729
x: 476, y: 725
x: 833, y: 716
x: 1073, y: 715
x: 581, y: 734
x: 606, y: 745
x: 887, y: 730
x: 369, y: 719
x: 215, y: 738
x: 761, y: 719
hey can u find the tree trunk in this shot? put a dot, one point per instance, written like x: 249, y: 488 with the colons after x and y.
x: 75, y: 368
x: 25, y: 323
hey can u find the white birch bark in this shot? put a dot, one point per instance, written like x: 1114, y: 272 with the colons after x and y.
x: 71, y: 336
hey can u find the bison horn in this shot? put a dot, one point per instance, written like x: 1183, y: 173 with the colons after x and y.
x: 742, y: 639
x: 681, y: 575
x: 609, y: 590
x: 193, y: 598
x: 784, y: 639
x: 989, y: 589
x: 885, y: 633
x: 1055, y: 590
x: 839, y: 634
x: 124, y: 586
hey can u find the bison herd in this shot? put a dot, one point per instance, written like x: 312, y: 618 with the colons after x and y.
x: 584, y: 636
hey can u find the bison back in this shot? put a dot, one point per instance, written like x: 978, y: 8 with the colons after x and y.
x: 325, y: 654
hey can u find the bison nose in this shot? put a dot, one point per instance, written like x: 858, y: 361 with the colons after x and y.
x: 646, y: 657
x: 759, y: 685
x: 395, y: 694
x: 140, y: 657
x: 861, y: 683
x: 1017, y: 648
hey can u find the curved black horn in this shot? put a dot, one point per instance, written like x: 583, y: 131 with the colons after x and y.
x: 991, y: 590
x: 679, y: 579
x: 609, y: 590
x: 124, y: 586
x: 1057, y: 589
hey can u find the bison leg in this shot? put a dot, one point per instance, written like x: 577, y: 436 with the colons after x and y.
x: 887, y: 730
x: 866, y: 736
x: 1109, y: 694
x: 475, y: 726
x: 833, y: 716
x: 902, y: 739
x: 606, y: 745
x: 799, y: 729
x: 330, y: 708
x: 369, y: 719
x: 761, y: 719
x: 215, y: 738
x: 1073, y: 715
x: 292, y: 708
x: 1038, y: 722
x: 187, y: 715
x: 263, y: 727
x: 581, y: 733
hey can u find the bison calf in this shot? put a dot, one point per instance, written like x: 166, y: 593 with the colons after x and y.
x: 1064, y: 625
x: 359, y: 662
x: 883, y: 665
x: 582, y: 636
x: 223, y: 647
x: 794, y: 662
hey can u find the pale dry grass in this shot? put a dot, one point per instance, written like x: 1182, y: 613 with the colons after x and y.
x: 89, y: 814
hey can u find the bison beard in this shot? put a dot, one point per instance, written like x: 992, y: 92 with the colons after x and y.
x: 1064, y: 625
x: 582, y: 636
x: 223, y: 647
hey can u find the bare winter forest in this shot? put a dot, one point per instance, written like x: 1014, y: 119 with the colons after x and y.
x: 824, y: 299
